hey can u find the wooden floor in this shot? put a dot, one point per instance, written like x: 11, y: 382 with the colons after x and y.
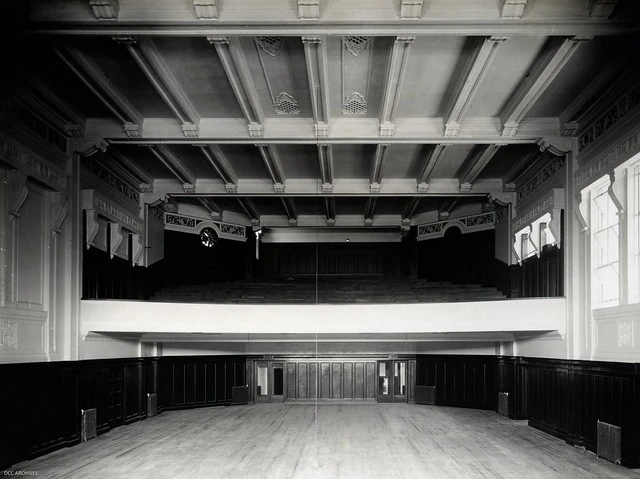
x: 329, y: 440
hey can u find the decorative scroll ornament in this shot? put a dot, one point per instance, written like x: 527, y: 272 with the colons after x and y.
x: 270, y: 45
x: 356, y: 44
x: 286, y: 105
x: 354, y: 104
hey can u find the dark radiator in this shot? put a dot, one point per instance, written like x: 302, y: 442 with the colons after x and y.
x: 425, y: 394
x: 152, y: 404
x: 503, y: 404
x: 609, y: 442
x: 89, y: 424
x: 239, y: 395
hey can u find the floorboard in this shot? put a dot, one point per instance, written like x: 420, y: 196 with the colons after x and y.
x: 327, y: 440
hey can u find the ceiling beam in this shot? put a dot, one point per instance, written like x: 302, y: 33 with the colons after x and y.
x: 271, y: 160
x: 583, y: 102
x: 212, y: 207
x: 175, y: 166
x: 315, y: 54
x: 474, y: 164
x: 519, y: 168
x: 237, y: 70
x: 290, y: 209
x: 250, y: 210
x: 325, y: 159
x: 376, y: 169
x: 545, y: 69
x: 330, y: 207
x: 558, y: 26
x: 396, y: 72
x: 447, y: 207
x: 219, y: 162
x: 430, y: 162
x: 410, y: 209
x: 469, y: 82
x: 95, y: 79
x: 148, y: 58
x: 512, y: 9
x: 68, y: 119
x: 131, y: 168
x: 369, y: 210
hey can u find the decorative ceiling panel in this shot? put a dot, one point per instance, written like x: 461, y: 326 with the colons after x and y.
x: 403, y: 161
x: 353, y: 161
x: 299, y: 161
x: 246, y: 161
x: 589, y: 61
x: 430, y: 78
x: 197, y: 67
x: 511, y: 64
x: 278, y: 68
x: 504, y: 159
x: 452, y: 158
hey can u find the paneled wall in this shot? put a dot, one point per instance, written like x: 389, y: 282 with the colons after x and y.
x: 199, y: 380
x: 463, y: 381
x: 561, y: 397
x: 42, y: 401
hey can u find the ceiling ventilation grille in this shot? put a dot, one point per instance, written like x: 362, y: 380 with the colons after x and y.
x: 270, y: 45
x: 356, y: 45
x: 285, y: 104
x: 354, y: 104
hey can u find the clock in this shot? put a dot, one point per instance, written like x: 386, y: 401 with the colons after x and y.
x: 208, y: 237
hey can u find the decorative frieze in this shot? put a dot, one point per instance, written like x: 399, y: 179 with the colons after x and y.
x: 32, y: 165
x: 541, y: 177
x: 157, y: 212
x: 111, y: 179
x: 553, y: 200
x: 180, y: 220
x: 610, y: 118
x: 8, y: 334
x: 232, y: 231
x: 466, y: 224
x: 608, y: 161
x: 40, y: 127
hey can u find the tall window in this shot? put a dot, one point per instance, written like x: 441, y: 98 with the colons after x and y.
x: 605, y: 248
x: 615, y: 237
x: 634, y: 232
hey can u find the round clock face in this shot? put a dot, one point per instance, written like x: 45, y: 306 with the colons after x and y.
x: 208, y: 237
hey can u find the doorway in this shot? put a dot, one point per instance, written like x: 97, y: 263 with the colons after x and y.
x: 269, y: 381
x: 392, y: 381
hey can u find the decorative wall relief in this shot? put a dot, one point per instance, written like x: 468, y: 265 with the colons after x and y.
x: 625, y: 334
x: 111, y: 179
x: 270, y: 45
x: 356, y: 44
x: 542, y: 177
x: 8, y: 335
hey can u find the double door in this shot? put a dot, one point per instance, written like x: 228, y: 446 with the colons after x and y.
x: 392, y: 381
x: 269, y: 381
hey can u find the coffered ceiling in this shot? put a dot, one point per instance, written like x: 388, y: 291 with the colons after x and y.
x: 323, y: 112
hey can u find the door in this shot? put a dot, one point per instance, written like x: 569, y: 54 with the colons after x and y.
x: 392, y: 381
x: 269, y: 381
